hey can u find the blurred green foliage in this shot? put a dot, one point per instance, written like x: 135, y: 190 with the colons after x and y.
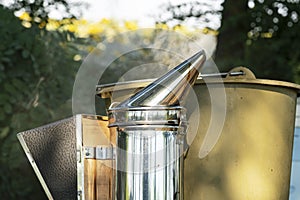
x: 263, y: 36
x: 37, y: 72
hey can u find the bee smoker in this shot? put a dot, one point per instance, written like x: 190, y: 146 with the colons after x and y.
x: 151, y: 128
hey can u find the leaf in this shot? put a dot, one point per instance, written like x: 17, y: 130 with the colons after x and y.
x: 4, y: 132
x: 25, y: 53
x: 17, y: 46
x: 5, y: 59
x: 9, y: 52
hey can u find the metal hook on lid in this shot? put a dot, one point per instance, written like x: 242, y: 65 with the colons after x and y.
x: 241, y: 72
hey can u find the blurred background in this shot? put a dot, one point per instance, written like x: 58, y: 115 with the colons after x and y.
x: 44, y: 42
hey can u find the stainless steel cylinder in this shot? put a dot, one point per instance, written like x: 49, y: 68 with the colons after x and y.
x: 150, y: 144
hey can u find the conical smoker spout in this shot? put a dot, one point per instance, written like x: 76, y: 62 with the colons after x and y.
x: 151, y: 128
x: 170, y: 89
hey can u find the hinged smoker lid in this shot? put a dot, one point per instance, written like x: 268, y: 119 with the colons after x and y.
x: 160, y: 116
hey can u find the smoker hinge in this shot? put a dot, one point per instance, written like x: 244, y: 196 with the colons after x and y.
x: 103, y: 152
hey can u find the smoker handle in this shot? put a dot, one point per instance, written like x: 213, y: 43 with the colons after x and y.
x: 237, y: 72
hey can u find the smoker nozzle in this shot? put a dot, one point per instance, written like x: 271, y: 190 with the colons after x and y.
x: 170, y: 89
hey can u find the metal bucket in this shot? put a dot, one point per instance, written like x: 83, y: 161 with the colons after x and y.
x: 251, y: 157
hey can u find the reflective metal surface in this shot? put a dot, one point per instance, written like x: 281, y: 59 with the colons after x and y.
x: 152, y: 165
x: 149, y: 155
x: 170, y: 89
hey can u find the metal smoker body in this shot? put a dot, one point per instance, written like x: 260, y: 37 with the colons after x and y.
x: 151, y: 129
x: 149, y: 161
